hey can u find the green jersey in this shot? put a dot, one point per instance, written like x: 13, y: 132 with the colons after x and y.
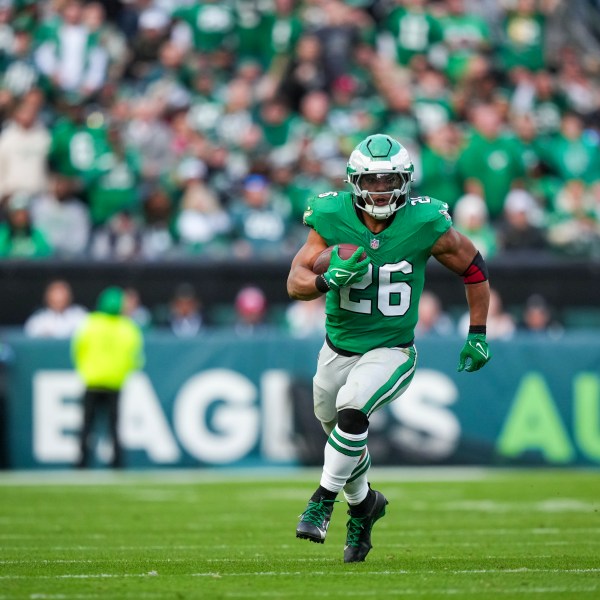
x: 414, y: 32
x: 212, y: 24
x: 382, y: 309
x: 77, y: 148
x: 523, y: 44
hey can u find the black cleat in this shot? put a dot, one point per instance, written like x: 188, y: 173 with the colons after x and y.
x: 358, y: 538
x: 314, y: 521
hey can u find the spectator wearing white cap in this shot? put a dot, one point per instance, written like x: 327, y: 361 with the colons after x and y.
x: 519, y: 229
x: 471, y: 218
x: 202, y: 221
x: 153, y: 30
x: 574, y: 226
x: 153, y: 19
x: 18, y: 237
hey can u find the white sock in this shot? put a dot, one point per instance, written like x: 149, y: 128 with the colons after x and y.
x: 342, y: 454
x: 357, y: 486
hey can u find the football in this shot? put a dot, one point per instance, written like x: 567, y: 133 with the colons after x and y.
x: 345, y: 251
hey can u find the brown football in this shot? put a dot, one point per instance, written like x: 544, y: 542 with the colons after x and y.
x: 345, y: 251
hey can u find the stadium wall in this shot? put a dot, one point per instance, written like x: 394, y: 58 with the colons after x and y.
x: 220, y: 401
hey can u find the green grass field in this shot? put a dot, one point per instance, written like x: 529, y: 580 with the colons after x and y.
x: 473, y: 534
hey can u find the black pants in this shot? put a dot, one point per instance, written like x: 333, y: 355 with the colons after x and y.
x: 94, y: 401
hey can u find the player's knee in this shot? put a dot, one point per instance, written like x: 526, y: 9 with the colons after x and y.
x: 352, y: 421
x: 324, y: 406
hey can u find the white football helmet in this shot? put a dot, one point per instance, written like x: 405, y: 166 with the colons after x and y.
x: 380, y: 158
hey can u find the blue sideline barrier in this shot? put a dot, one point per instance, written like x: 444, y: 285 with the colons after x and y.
x: 222, y: 400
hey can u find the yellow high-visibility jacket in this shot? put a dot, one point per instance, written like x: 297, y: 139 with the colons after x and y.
x: 106, y: 349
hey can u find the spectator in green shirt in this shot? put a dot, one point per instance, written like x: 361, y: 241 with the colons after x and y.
x: 465, y: 35
x: 18, y: 238
x: 412, y: 29
x: 209, y: 25
x: 399, y: 119
x: 527, y: 143
x: 18, y: 72
x: 115, y: 186
x: 309, y: 180
x: 279, y: 31
x: 275, y: 120
x: 77, y: 143
x: 439, y: 172
x: 432, y: 103
x: 538, y: 94
x: 524, y: 32
x: 573, y: 153
x: 489, y: 164
x: 70, y: 56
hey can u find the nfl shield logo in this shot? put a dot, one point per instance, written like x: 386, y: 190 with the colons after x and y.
x: 374, y: 244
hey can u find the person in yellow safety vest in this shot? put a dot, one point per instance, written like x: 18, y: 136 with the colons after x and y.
x: 106, y: 349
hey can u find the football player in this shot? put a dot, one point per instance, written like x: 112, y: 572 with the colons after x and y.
x: 369, y: 358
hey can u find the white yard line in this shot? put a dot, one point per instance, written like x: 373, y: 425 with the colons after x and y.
x: 75, y: 561
x: 336, y: 573
x: 520, y: 531
x: 229, y: 547
x: 422, y: 592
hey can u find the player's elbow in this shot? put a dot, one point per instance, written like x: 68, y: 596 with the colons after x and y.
x: 293, y: 287
x: 293, y: 291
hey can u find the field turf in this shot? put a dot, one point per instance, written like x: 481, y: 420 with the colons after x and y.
x: 472, y: 534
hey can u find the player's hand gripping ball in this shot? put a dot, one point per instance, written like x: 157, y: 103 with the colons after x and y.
x: 342, y: 264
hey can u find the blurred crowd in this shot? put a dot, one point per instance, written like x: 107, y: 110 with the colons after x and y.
x: 152, y: 129
x: 183, y: 315
x: 251, y: 313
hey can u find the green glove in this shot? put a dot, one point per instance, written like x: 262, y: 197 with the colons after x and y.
x: 475, y: 353
x: 345, y: 272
